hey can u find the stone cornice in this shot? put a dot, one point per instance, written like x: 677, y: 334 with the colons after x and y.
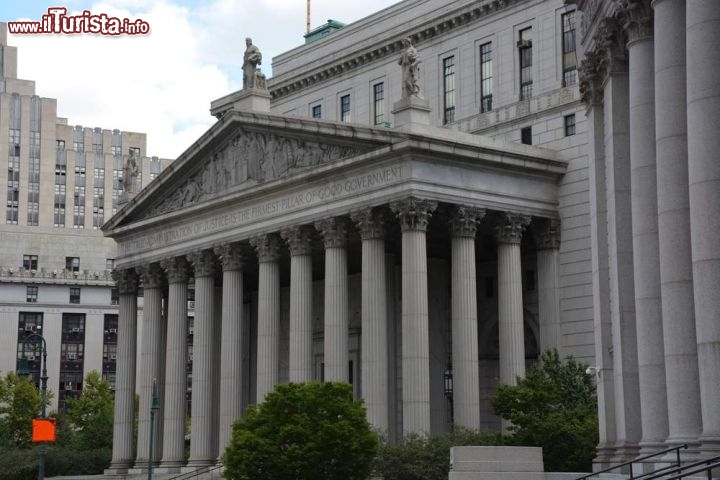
x: 356, y: 59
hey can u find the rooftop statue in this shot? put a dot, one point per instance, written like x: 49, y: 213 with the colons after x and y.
x: 409, y: 62
x: 251, y: 60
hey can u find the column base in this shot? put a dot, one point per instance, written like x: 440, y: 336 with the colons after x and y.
x: 168, y: 469
x: 709, y: 445
x: 116, y: 470
x: 605, y: 454
x: 624, y: 452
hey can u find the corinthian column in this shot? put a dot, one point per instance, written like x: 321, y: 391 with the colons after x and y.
x: 268, y: 332
x: 703, y: 118
x: 151, y: 361
x: 122, y: 456
x: 373, y: 343
x: 202, y: 416
x: 337, y: 358
x: 231, y: 341
x: 173, y: 455
x: 414, y: 215
x: 299, y: 240
x: 466, y: 375
x: 510, y: 299
x: 548, y: 284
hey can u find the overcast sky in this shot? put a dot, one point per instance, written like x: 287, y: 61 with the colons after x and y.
x: 162, y: 83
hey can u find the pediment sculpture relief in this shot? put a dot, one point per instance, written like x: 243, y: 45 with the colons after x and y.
x: 248, y: 159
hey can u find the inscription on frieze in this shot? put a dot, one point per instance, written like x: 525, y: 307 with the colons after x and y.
x: 250, y: 158
x: 282, y: 204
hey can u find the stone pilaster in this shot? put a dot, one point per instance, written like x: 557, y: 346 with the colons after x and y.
x: 268, y: 333
x: 374, y: 325
x: 201, y: 438
x: 703, y: 117
x: 124, y: 416
x: 466, y: 386
x: 548, y: 264
x: 151, y: 362
x: 337, y: 356
x: 299, y: 240
x: 508, y: 233
x: 231, y: 341
x: 173, y: 453
x: 414, y: 215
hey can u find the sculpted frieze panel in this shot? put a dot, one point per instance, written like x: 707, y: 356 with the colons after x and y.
x: 250, y: 158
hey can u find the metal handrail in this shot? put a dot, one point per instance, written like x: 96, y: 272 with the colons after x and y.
x: 196, y: 473
x: 704, y: 464
x: 637, y: 460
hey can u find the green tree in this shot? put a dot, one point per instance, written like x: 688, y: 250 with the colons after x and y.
x: 553, y: 407
x: 91, y: 414
x: 303, y: 431
x: 19, y: 404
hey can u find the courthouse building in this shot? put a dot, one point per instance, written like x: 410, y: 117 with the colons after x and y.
x: 59, y: 184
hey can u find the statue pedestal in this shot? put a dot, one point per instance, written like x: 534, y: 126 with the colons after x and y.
x: 247, y: 100
x: 411, y: 111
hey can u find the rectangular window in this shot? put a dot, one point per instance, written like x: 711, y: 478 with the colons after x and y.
x: 114, y: 296
x: 526, y: 136
x: 72, y: 264
x: 569, y: 57
x: 525, y: 52
x: 109, y: 263
x: 116, y: 150
x: 30, y: 323
x: 30, y: 262
x: 317, y: 111
x: 60, y: 144
x: 345, y: 108
x: 379, y: 103
x: 486, y: 77
x: 74, y: 295
x: 31, y: 295
x: 448, y: 90
x: 569, y: 125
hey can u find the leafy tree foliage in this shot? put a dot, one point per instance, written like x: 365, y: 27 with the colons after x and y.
x: 553, y: 407
x: 91, y: 414
x: 302, y: 431
x: 19, y: 404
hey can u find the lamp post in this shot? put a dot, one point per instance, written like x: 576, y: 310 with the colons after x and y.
x: 154, y: 406
x: 448, y: 378
x: 24, y: 371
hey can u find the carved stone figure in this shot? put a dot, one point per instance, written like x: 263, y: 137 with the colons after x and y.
x: 130, y: 172
x: 251, y: 60
x: 409, y: 62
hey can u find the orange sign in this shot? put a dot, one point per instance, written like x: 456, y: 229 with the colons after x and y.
x: 43, y: 430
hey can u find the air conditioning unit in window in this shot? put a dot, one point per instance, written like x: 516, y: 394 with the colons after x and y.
x: 29, y: 328
x: 30, y: 358
x: 72, y: 356
x: 68, y: 386
x: 113, y: 330
x: 76, y: 329
x: 113, y: 356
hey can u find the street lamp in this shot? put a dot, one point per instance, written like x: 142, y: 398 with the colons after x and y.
x: 24, y: 371
x: 154, y: 406
x: 448, y: 378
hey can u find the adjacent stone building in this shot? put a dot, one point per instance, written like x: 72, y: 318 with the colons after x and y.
x: 59, y: 184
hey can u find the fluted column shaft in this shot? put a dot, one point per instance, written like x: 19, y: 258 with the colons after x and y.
x: 231, y: 341
x: 124, y: 416
x: 703, y: 118
x: 466, y: 373
x: 173, y: 453
x: 268, y: 333
x: 643, y: 179
x: 511, y: 325
x: 201, y: 436
x: 374, y: 340
x: 301, y: 361
x: 676, y: 276
x: 336, y: 354
x: 548, y: 265
x: 414, y: 215
x: 151, y: 361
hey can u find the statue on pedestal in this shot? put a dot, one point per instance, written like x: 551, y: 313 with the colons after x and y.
x: 251, y: 60
x: 130, y: 172
x: 409, y: 62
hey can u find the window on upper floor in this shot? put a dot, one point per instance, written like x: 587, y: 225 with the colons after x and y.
x: 379, y: 103
x: 74, y: 295
x: 526, y: 136
x: 316, y: 111
x: 72, y: 264
x: 30, y: 262
x: 448, y: 90
x: 569, y: 125
x: 486, y: 77
x: 525, y: 53
x: 345, y: 108
x: 569, y: 54
x: 31, y: 294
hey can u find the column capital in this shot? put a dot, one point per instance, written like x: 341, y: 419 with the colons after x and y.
x: 127, y: 281
x: 636, y: 17
x: 231, y: 256
x: 464, y: 220
x: 414, y: 213
x: 333, y: 231
x: 151, y: 275
x: 176, y: 269
x: 548, y: 234
x: 510, y: 227
x: 267, y: 247
x: 299, y: 239
x: 591, y: 73
x: 613, y: 41
x: 370, y: 222
x: 204, y: 263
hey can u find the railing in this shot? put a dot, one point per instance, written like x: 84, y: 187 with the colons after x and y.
x: 706, y: 465
x: 196, y: 473
x: 641, y: 460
